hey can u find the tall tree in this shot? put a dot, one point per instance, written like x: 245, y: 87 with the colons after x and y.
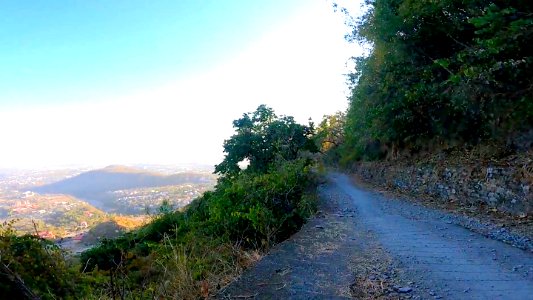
x: 440, y: 71
x: 262, y: 137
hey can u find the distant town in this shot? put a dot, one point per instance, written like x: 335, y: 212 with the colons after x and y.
x: 69, y: 218
x: 148, y: 200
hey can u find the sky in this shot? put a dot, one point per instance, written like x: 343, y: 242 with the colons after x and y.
x: 159, y: 82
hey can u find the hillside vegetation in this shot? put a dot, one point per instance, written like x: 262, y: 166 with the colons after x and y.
x: 440, y: 74
x: 185, y: 254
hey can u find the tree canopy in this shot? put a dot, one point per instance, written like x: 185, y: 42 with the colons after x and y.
x: 261, y: 137
x: 440, y: 71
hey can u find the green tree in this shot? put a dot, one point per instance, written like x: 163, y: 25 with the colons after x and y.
x: 262, y: 137
x: 330, y: 131
x: 329, y: 137
x: 439, y: 72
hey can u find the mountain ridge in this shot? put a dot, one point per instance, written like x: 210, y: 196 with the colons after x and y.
x: 117, y: 177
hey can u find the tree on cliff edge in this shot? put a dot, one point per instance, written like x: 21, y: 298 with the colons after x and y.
x: 262, y: 137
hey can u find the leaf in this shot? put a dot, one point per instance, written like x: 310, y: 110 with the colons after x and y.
x: 445, y: 63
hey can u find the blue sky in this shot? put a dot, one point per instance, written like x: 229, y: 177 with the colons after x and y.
x: 102, y: 82
x: 61, y: 49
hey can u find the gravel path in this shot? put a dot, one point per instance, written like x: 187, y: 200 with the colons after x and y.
x: 312, y: 264
x: 366, y: 246
x: 455, y: 262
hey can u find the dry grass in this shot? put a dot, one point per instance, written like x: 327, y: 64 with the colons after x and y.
x: 374, y: 271
x: 371, y: 279
x: 130, y: 222
x: 178, y: 281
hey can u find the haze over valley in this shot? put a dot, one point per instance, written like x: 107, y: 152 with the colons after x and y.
x: 90, y: 85
x: 69, y: 202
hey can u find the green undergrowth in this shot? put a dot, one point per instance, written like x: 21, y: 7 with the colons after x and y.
x: 192, y: 253
x: 203, y: 247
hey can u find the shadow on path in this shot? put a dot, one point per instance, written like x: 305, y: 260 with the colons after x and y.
x: 361, y: 244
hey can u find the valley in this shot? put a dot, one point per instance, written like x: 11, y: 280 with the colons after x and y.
x: 68, y: 203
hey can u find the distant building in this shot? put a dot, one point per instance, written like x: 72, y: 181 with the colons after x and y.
x: 46, y: 235
x: 78, y: 237
x: 27, y: 194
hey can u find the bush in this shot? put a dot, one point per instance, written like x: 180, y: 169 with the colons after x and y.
x: 184, y: 254
x: 32, y: 267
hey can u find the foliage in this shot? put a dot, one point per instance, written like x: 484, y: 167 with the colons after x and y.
x: 259, y: 210
x: 189, y: 253
x: 185, y: 254
x: 439, y: 72
x: 31, y: 267
x: 329, y: 136
x: 262, y: 137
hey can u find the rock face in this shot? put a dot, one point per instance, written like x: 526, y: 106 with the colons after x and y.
x: 502, y: 185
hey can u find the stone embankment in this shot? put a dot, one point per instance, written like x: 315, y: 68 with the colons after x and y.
x: 505, y: 184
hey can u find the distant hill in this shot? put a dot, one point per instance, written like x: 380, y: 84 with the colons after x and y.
x: 108, y: 230
x: 113, y: 178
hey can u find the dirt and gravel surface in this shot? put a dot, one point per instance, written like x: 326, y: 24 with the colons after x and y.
x: 364, y: 245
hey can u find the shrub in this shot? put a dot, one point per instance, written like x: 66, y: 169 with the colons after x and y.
x: 32, y: 267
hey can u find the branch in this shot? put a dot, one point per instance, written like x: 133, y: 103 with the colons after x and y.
x: 17, y: 282
x: 330, y: 141
x: 459, y: 42
x: 433, y: 60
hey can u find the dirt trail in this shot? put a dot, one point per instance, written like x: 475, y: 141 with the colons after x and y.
x: 364, y: 245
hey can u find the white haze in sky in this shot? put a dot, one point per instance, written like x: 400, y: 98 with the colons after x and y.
x: 296, y: 69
